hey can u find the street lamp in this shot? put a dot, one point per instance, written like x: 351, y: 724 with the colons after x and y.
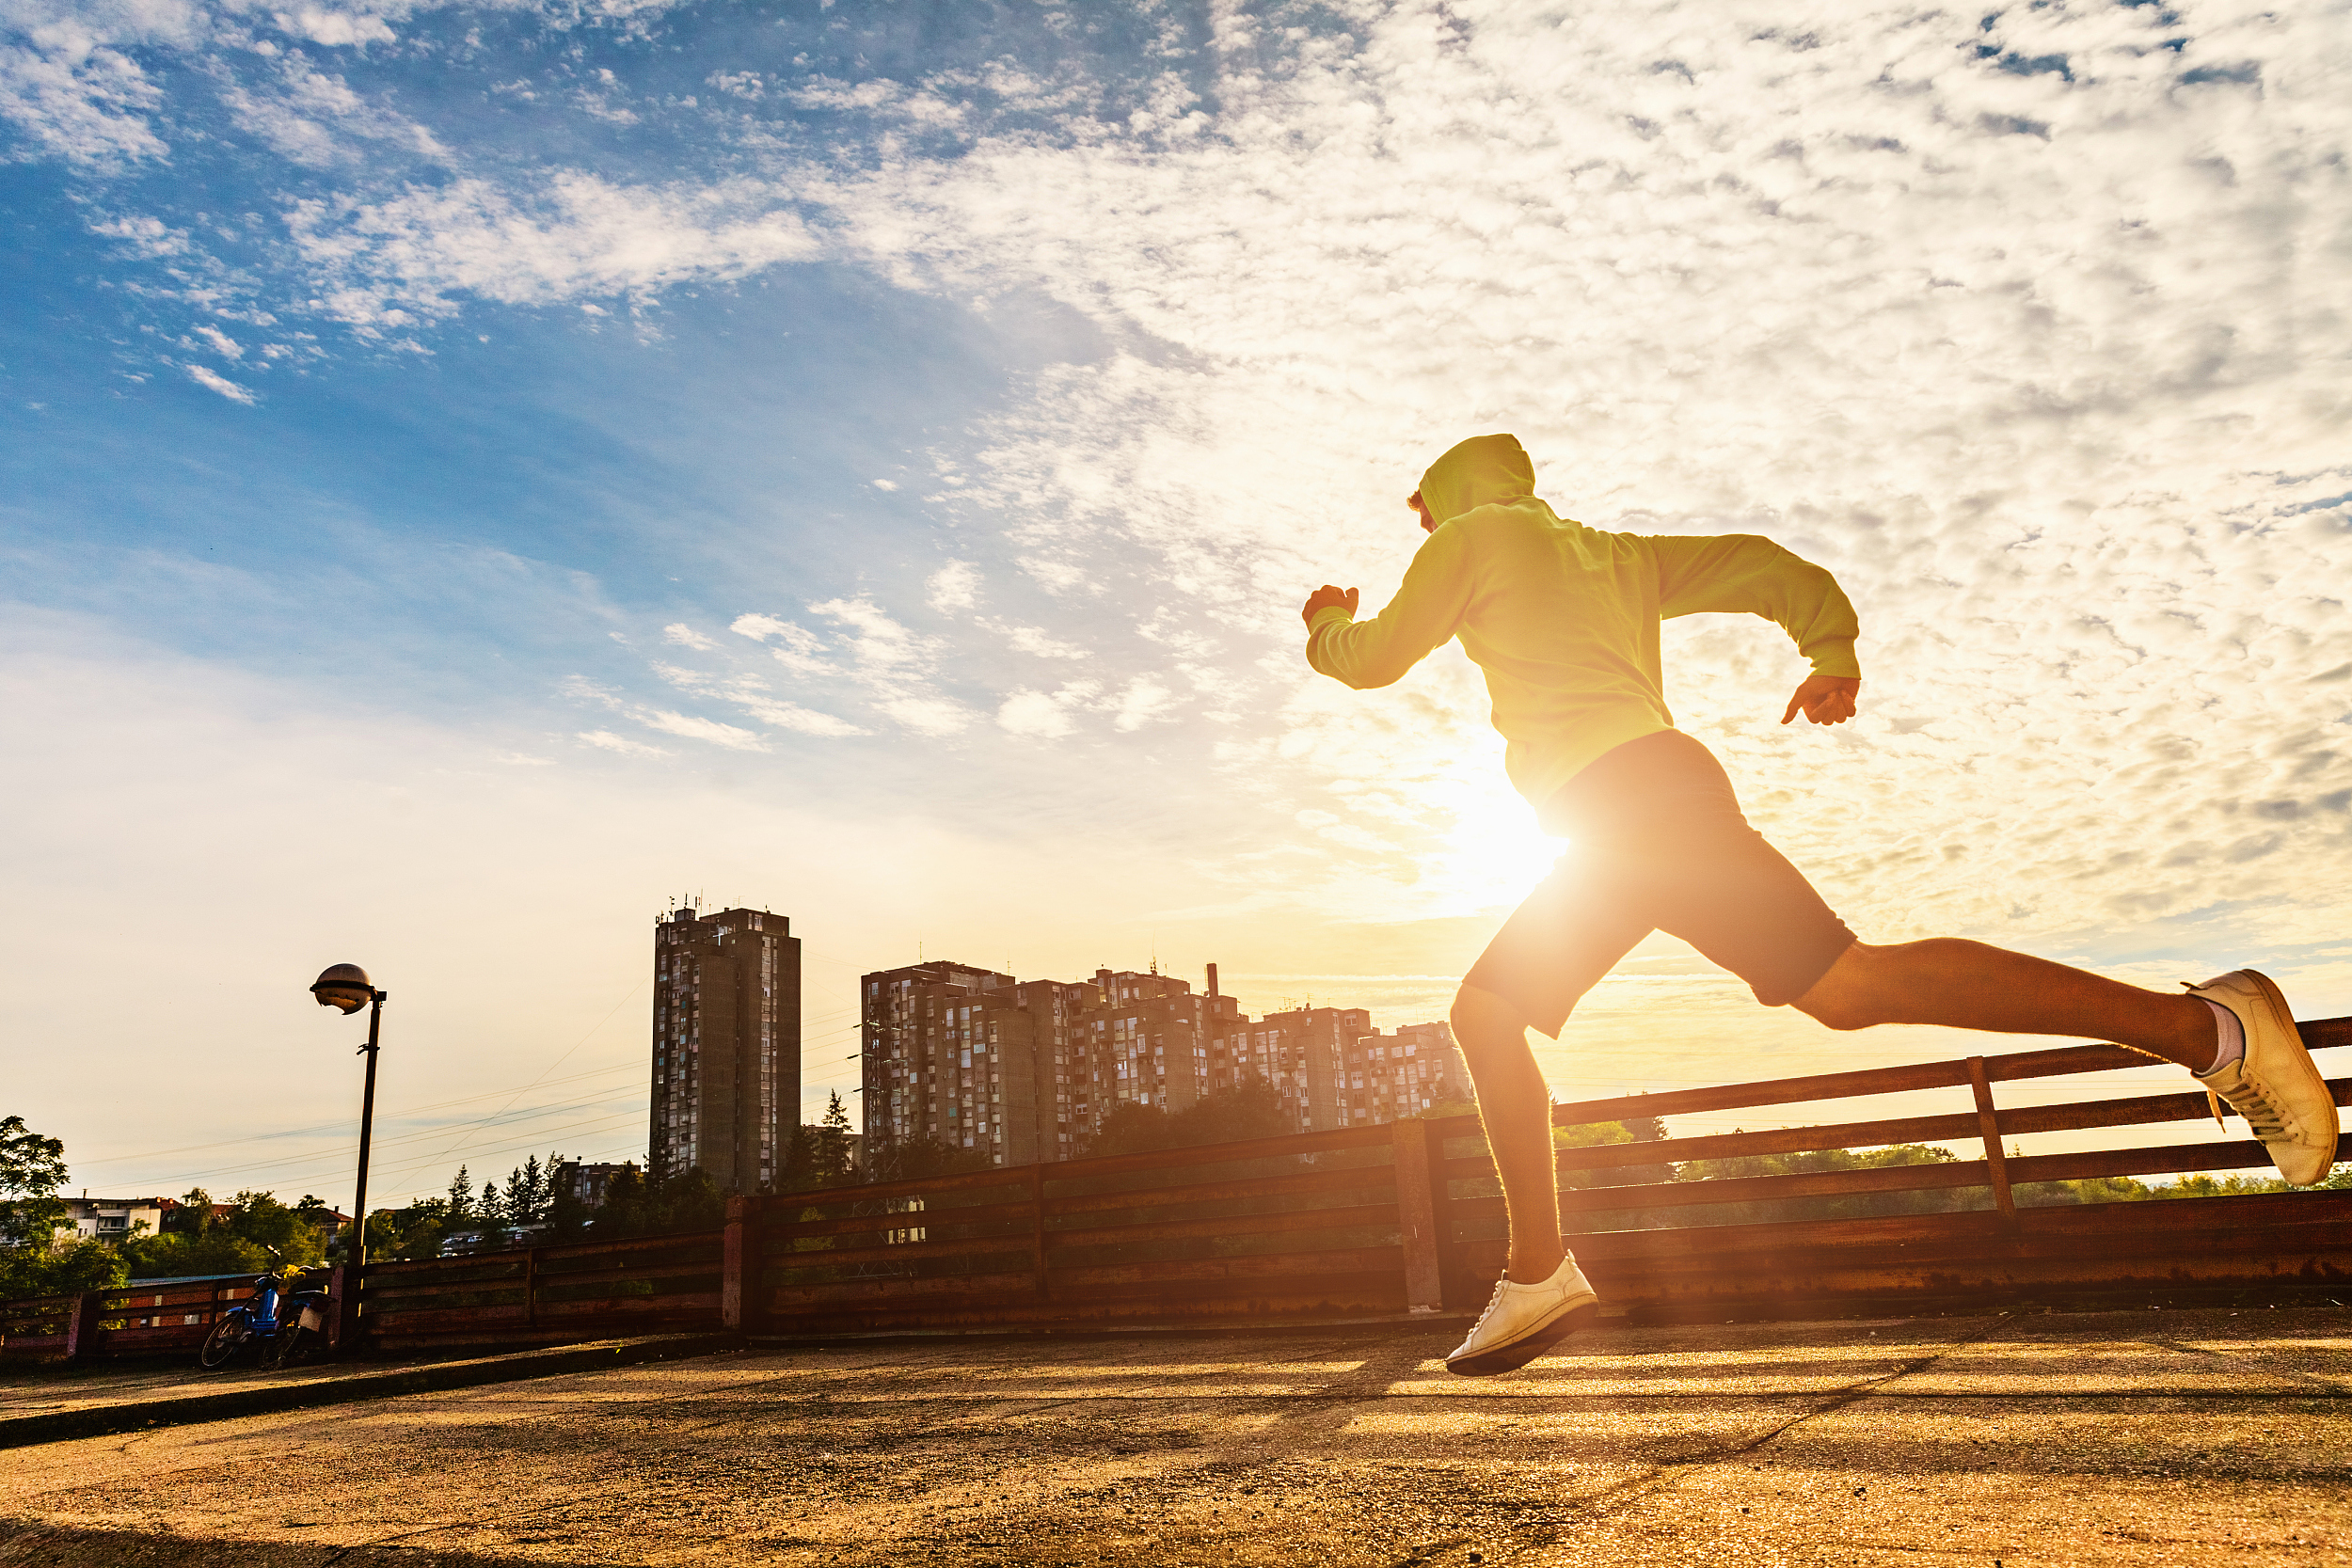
x: 345, y: 987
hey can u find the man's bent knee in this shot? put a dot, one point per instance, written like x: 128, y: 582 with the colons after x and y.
x: 1845, y: 997
x: 1479, y: 1014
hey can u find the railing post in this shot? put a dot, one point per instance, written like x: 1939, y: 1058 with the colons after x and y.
x: 739, y: 1267
x: 342, y: 1321
x: 1037, y: 1229
x: 81, y: 1329
x: 1989, y: 1128
x: 1418, y: 1215
x: 530, y: 1286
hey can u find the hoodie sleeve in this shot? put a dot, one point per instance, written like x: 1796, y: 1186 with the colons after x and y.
x: 1427, y: 610
x: 1747, y: 574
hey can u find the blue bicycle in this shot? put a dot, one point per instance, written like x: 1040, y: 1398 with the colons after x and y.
x: 283, y: 1319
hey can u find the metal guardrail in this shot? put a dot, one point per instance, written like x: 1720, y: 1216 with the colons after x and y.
x: 1379, y: 1220
x: 1407, y: 1217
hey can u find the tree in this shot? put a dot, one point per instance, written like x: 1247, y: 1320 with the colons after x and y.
x: 413, y: 1231
x: 191, y: 1216
x: 459, y: 1204
x: 33, y: 1261
x: 833, y: 1143
x: 799, y: 1169
x: 913, y: 1159
x: 567, y: 1217
x: 636, y: 1207
x: 236, y: 1243
x: 31, y: 1168
x: 528, y: 1190
x: 1251, y: 1109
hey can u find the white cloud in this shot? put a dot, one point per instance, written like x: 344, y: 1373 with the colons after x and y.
x: 686, y: 727
x: 885, y: 484
x: 223, y: 344
x: 681, y: 635
x: 1144, y: 700
x: 750, y: 694
x: 789, y: 716
x: 760, y: 627
x: 78, y: 100
x: 1037, y: 713
x: 397, y: 260
x: 927, y: 716
x: 622, y: 744
x: 878, y: 644
x: 220, y: 382
x: 692, y: 727
x: 146, y: 238
x: 335, y: 28
x: 1035, y: 640
x: 953, y: 587
x: 1048, y: 715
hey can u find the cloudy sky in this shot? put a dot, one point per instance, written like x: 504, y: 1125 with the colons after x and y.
x: 476, y: 473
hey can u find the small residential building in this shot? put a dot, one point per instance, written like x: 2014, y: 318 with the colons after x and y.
x: 113, y: 1219
x: 585, y: 1183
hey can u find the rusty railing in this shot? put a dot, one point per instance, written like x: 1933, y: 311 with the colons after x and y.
x: 1388, y: 1220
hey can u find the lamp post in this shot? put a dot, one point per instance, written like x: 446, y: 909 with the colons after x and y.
x: 345, y: 987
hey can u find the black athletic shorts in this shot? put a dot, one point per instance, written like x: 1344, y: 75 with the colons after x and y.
x: 1660, y: 844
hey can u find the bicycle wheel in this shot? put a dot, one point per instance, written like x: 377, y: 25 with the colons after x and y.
x: 290, y: 1346
x: 221, y: 1346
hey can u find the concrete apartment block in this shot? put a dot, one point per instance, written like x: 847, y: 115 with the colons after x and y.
x: 1028, y: 1070
x: 727, y: 1046
x: 1150, y: 1040
x: 937, y: 1043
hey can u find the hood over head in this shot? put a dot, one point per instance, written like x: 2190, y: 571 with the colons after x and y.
x: 1474, y: 472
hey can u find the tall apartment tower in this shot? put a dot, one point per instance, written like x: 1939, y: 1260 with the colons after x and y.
x: 727, y: 1046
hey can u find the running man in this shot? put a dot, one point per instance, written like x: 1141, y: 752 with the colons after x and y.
x: 1564, y: 620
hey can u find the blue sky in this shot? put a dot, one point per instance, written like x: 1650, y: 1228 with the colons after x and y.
x: 478, y: 472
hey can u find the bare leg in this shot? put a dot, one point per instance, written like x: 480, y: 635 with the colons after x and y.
x: 1515, y: 1106
x: 1967, y: 985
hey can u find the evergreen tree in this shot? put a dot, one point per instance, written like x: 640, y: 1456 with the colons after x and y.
x: 460, y: 1197
x: 799, y: 1170
x: 833, y: 1143
x: 527, y: 1193
x: 490, y: 1209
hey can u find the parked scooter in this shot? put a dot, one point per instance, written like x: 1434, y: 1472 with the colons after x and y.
x: 283, y: 1319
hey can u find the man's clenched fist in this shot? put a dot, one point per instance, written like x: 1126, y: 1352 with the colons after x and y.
x: 1326, y: 596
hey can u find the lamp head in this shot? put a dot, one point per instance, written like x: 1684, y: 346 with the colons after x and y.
x: 344, y: 986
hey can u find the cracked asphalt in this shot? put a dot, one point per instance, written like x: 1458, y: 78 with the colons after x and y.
x: 2159, y: 1437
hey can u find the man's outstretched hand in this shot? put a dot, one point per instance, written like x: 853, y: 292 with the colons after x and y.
x: 1323, y: 598
x: 1825, y: 699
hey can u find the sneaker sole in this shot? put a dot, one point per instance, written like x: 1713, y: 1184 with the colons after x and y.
x: 1520, y: 1352
x: 2282, y: 1017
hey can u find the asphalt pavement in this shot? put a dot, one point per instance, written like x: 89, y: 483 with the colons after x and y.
x: 2156, y: 1438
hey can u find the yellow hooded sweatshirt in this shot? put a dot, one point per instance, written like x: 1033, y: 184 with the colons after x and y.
x: 1563, y: 618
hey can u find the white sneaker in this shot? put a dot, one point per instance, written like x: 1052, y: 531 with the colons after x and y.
x: 2275, y: 1086
x: 1524, y: 1321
